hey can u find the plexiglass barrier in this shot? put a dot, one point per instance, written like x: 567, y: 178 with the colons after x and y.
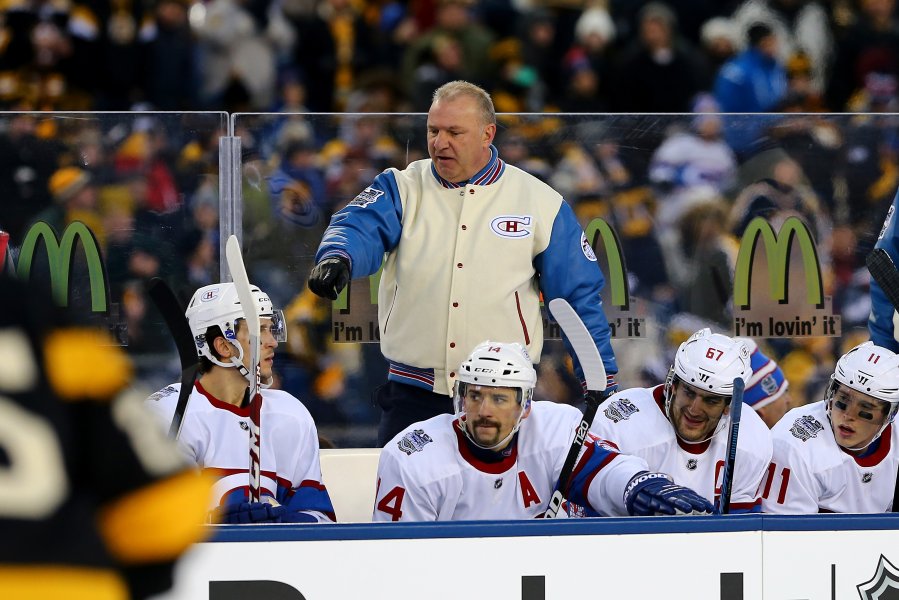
x: 753, y: 225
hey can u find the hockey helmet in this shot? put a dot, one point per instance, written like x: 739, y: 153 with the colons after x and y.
x: 871, y: 370
x: 498, y: 364
x: 219, y: 305
x: 709, y: 362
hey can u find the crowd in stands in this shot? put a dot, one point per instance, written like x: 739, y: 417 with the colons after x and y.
x: 678, y: 189
x: 552, y: 55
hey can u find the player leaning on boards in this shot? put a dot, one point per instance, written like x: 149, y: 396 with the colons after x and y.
x: 500, y: 456
x: 214, y: 429
x: 681, y: 427
x: 471, y: 242
x: 838, y: 454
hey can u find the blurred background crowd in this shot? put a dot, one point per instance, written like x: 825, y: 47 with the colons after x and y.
x: 329, y: 93
x: 532, y: 55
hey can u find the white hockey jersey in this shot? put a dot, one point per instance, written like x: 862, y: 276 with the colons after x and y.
x: 635, y: 422
x: 810, y: 472
x: 428, y: 472
x: 215, y: 435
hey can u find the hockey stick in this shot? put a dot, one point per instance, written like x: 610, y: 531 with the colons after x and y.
x: 167, y: 304
x: 727, y: 477
x: 887, y: 277
x: 251, y: 316
x: 595, y: 374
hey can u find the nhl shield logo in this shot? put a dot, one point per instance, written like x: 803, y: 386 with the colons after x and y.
x: 867, y: 477
x: 692, y: 464
x: 884, y: 585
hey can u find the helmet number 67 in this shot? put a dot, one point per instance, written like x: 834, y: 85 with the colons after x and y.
x: 714, y: 353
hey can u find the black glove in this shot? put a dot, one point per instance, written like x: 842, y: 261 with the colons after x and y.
x: 650, y: 494
x: 329, y: 277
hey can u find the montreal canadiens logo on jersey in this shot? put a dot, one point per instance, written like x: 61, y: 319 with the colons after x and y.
x: 414, y: 441
x: 806, y: 427
x: 512, y: 226
x: 587, y: 248
x: 620, y: 410
x: 366, y: 197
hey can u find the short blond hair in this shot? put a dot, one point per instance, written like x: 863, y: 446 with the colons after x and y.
x: 454, y: 89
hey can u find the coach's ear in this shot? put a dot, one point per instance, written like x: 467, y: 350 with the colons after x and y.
x: 489, y: 133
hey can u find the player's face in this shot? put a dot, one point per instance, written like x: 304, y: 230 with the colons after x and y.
x: 490, y: 413
x: 458, y: 139
x: 694, y: 413
x: 267, y: 345
x: 856, y: 417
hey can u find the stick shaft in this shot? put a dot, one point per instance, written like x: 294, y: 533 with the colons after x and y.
x: 251, y: 316
x: 595, y: 374
x: 727, y: 477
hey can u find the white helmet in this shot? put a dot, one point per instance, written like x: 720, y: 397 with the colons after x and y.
x: 498, y: 364
x: 218, y: 305
x: 871, y: 370
x: 709, y: 362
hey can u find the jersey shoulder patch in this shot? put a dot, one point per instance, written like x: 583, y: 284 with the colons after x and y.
x: 620, y: 410
x: 366, y: 197
x: 414, y: 441
x: 806, y: 427
x: 166, y: 391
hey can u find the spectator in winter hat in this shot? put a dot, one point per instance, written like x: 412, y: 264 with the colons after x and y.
x: 767, y: 389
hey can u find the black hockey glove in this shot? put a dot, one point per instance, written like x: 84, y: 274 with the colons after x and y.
x: 329, y: 277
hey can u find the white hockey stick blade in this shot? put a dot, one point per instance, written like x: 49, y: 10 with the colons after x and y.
x: 584, y: 347
x: 247, y: 302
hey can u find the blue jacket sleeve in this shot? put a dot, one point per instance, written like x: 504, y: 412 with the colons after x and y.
x: 729, y: 90
x: 880, y: 322
x: 366, y: 228
x: 566, y: 271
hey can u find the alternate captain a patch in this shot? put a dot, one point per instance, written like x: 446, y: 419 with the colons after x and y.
x: 366, y: 197
x: 414, y: 441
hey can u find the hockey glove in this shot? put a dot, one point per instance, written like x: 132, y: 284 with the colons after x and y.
x: 329, y: 277
x: 241, y: 513
x: 648, y: 494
